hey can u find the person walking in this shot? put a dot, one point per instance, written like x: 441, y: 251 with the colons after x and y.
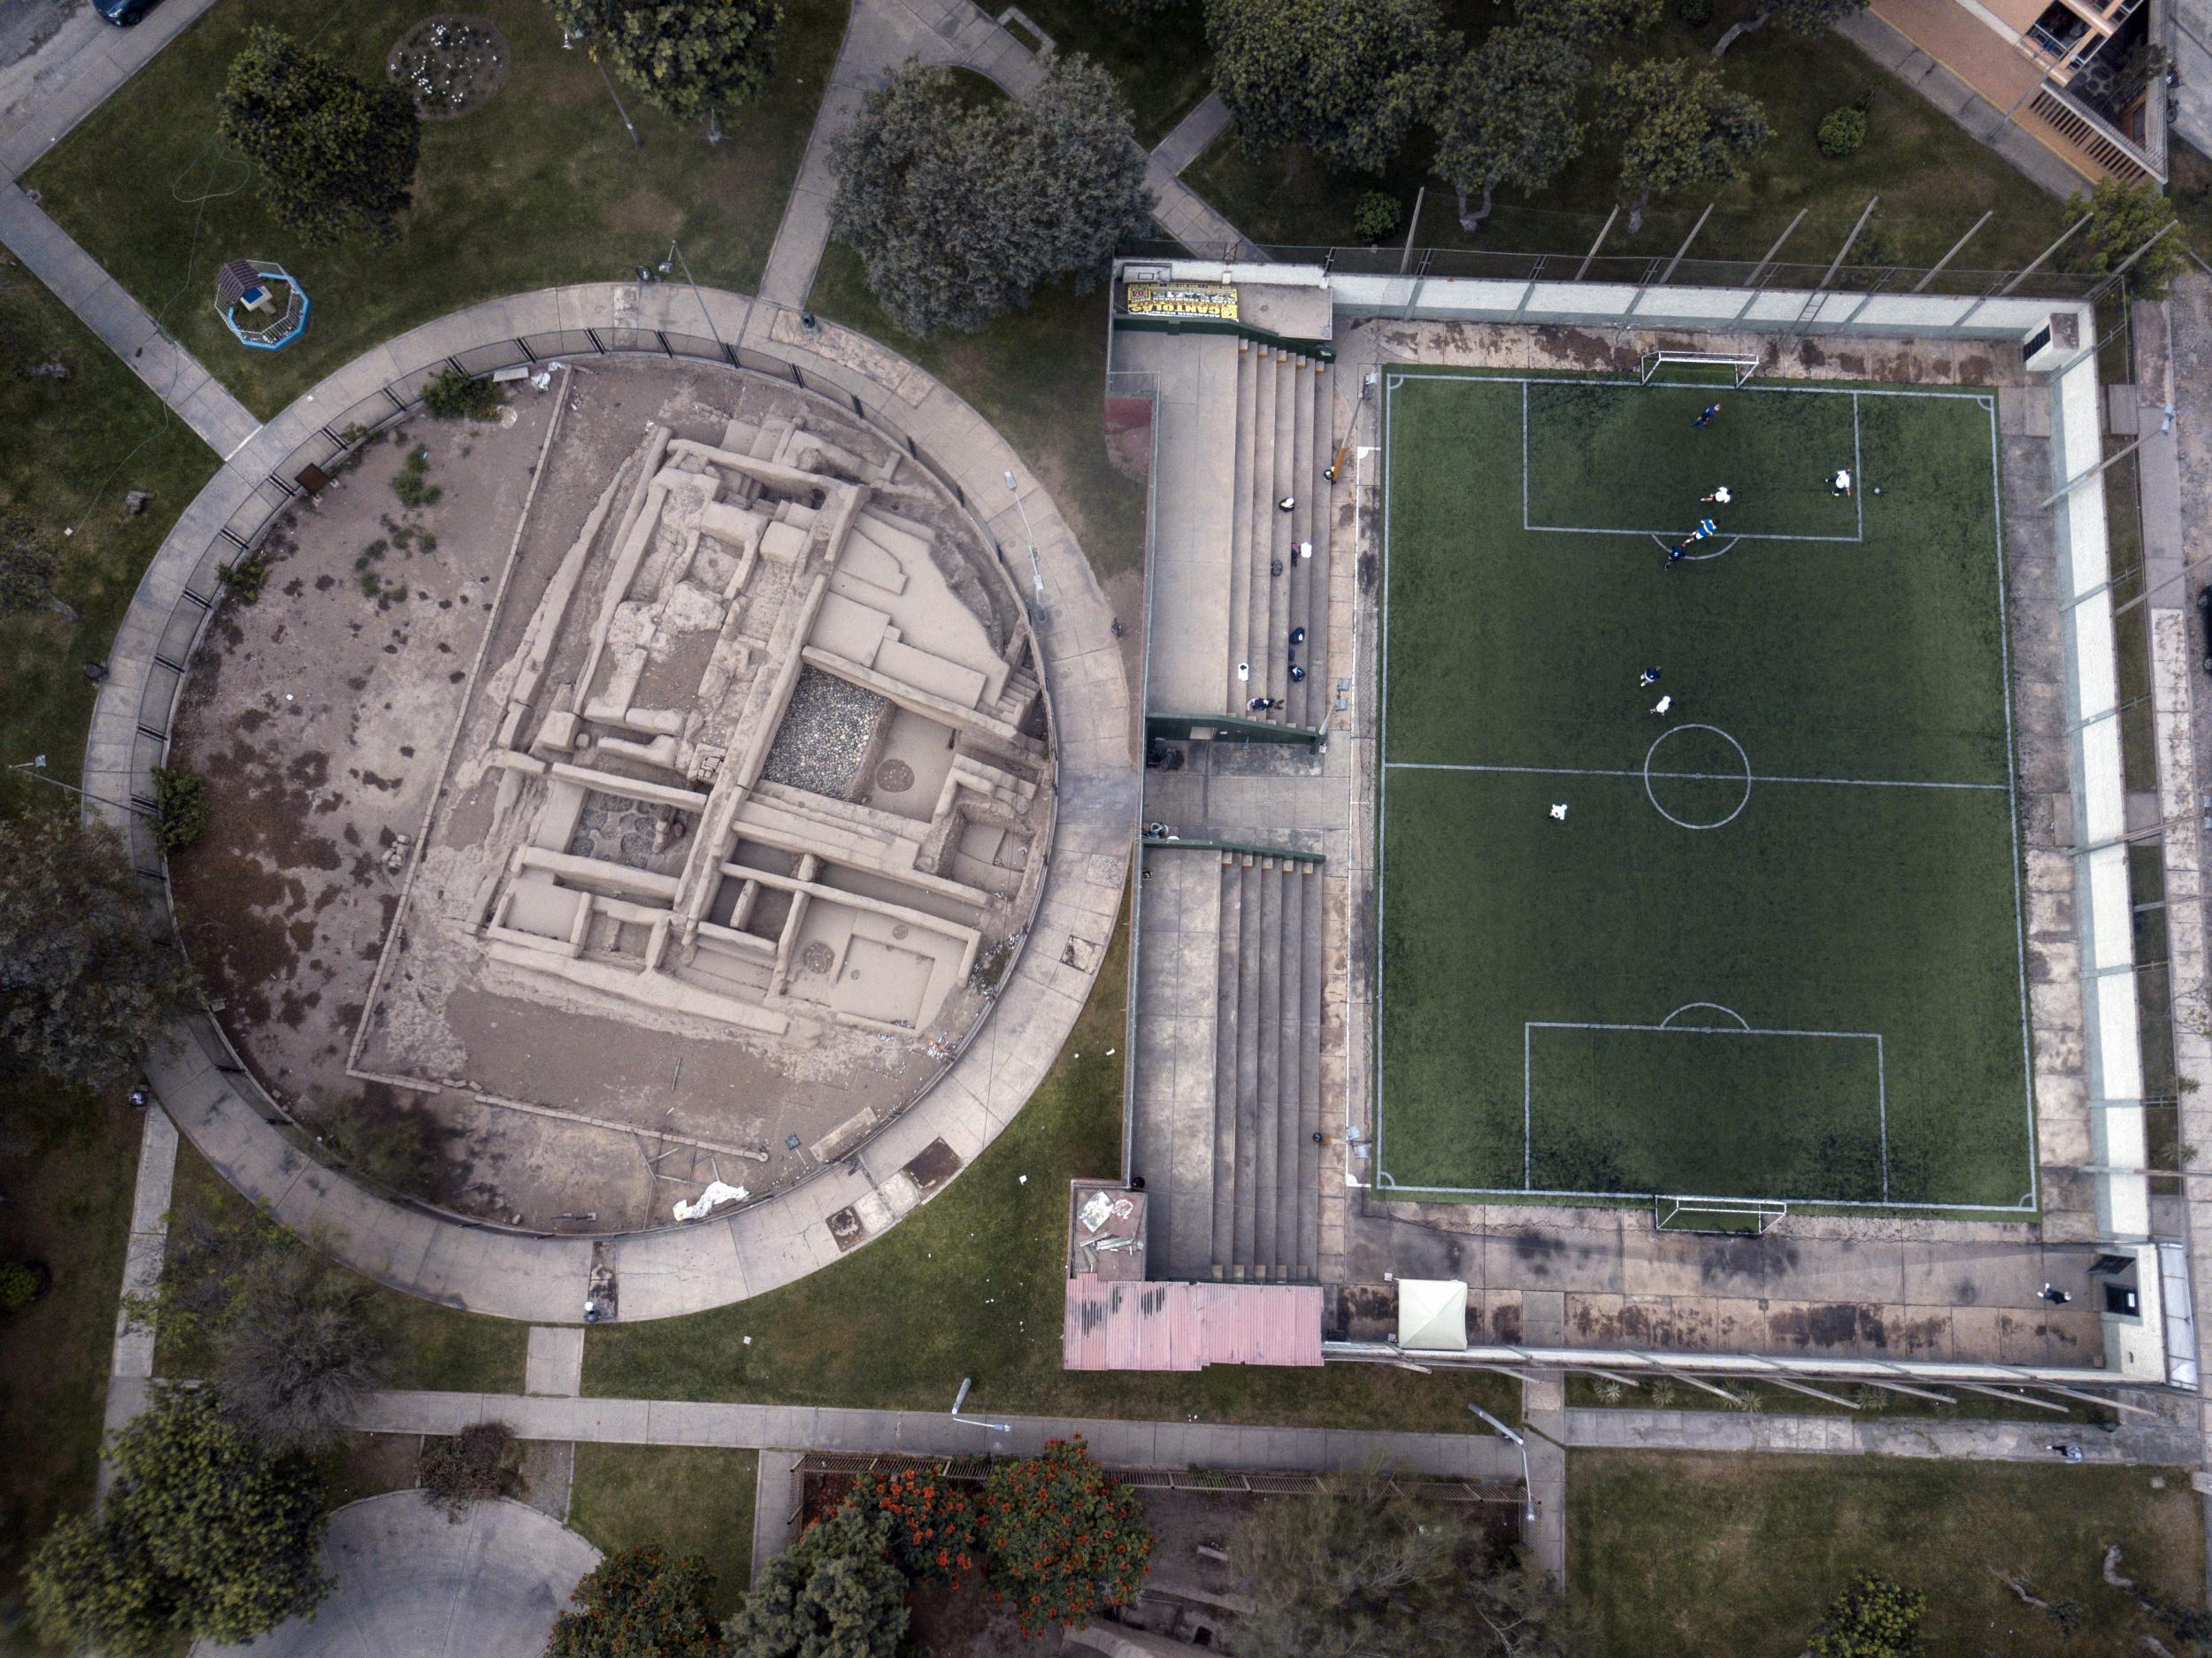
x: 1707, y: 416
x: 1663, y: 705
x: 1648, y: 678
x: 1840, y: 484
x: 1721, y: 494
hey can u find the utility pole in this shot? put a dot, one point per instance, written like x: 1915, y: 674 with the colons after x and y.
x: 1528, y: 1480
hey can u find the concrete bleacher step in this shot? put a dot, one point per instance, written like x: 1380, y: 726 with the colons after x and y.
x: 1313, y: 967
x: 1241, y: 485
x: 1297, y: 942
x: 1320, y: 687
x: 1251, y: 973
x: 1260, y: 532
x: 1267, y: 1068
x: 1228, y: 1010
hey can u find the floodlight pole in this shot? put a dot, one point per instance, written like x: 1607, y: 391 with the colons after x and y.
x: 1955, y: 246
x: 1036, y: 573
x: 2099, y: 292
x: 961, y: 1397
x: 1528, y: 1480
x: 568, y: 43
x: 35, y: 767
x: 676, y: 252
x: 1604, y: 230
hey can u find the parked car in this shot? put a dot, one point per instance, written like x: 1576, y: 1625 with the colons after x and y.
x: 123, y: 13
x: 2204, y: 608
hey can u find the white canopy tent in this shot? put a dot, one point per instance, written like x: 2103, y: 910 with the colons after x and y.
x: 1432, y: 1316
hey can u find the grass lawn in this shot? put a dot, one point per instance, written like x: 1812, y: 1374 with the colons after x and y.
x: 1680, y: 1555
x: 1036, y: 374
x: 691, y: 1500
x: 1875, y: 1403
x: 540, y: 187
x: 1796, y: 970
x: 66, y: 1160
x: 425, y: 1345
x: 1160, y: 58
x: 972, y: 1284
x: 1934, y: 181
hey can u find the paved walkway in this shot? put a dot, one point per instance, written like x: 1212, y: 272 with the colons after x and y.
x: 2153, y: 1444
x: 729, y: 1257
x: 932, y: 1433
x: 45, y: 95
x: 879, y: 37
x: 407, y: 1581
x: 1206, y: 122
x: 131, y: 1372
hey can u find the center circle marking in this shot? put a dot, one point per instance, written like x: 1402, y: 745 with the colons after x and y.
x: 1652, y: 795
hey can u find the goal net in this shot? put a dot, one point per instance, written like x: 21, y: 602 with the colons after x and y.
x: 1698, y: 368
x: 1749, y: 1217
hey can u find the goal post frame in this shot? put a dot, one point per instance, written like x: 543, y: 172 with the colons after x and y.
x: 1742, y: 364
x: 1750, y: 1216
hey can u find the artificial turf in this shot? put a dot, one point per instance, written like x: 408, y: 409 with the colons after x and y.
x: 1816, y: 841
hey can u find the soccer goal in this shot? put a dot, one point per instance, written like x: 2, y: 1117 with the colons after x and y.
x: 1711, y: 365
x: 1747, y: 1218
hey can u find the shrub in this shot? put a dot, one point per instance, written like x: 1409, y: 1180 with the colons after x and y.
x: 20, y: 1285
x: 1842, y: 130
x: 1376, y: 216
x: 244, y: 579
x: 1873, y: 1618
x: 412, y: 486
x: 298, y: 1355
x: 639, y: 1603
x: 180, y: 808
x: 1063, y: 1537
x: 1694, y: 14
x: 834, y: 1590
x: 454, y: 394
x: 472, y: 1466
x: 933, y: 1523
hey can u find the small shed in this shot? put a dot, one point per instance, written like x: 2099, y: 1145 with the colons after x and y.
x: 261, y: 304
x: 1432, y: 1316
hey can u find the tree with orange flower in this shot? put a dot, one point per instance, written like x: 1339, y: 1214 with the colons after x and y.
x: 1063, y: 1537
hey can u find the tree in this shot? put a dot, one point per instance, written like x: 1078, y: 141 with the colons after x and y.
x: 1589, y: 24
x: 959, y: 213
x: 688, y: 58
x: 28, y: 565
x: 84, y: 982
x: 1060, y: 1536
x: 298, y: 1355
x: 934, y: 1522
x: 1873, y: 1618
x: 1800, y: 16
x: 1362, y: 1567
x: 639, y: 1603
x: 835, y: 1593
x: 2123, y: 216
x: 1681, y: 128
x: 336, y: 156
x: 1507, y: 115
x: 203, y: 1535
x: 1349, y: 81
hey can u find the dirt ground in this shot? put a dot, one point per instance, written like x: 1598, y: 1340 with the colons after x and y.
x: 323, y: 718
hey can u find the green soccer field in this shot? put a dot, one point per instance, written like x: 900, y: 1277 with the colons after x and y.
x: 1773, y: 949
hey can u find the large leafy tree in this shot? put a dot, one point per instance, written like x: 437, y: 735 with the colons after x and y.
x: 1508, y: 119
x: 336, y: 156
x: 690, y: 58
x: 204, y: 1535
x: 2124, y: 218
x: 1873, y: 1618
x: 1681, y: 128
x: 1800, y: 16
x: 639, y: 1603
x: 959, y: 211
x: 1362, y: 1567
x: 1591, y: 23
x: 835, y: 1593
x: 1349, y: 81
x: 1061, y: 1536
x: 84, y: 982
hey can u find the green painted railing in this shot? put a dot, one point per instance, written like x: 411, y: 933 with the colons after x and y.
x: 1253, y: 847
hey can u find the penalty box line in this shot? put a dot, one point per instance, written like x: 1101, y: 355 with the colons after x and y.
x: 1528, y: 1081
x: 1858, y: 502
x: 1705, y: 776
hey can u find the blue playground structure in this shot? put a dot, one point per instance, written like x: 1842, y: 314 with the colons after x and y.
x: 262, y: 304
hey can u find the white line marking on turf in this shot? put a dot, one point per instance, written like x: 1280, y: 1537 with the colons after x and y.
x: 1666, y: 546
x: 1858, y: 473
x: 1705, y: 777
x: 1715, y: 1006
x: 1652, y: 795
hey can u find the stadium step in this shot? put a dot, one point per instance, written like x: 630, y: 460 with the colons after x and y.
x: 1172, y: 1127
x: 1229, y: 1007
x: 1249, y: 364
x: 1317, y: 695
x: 1282, y: 1197
x: 1312, y: 966
x: 1267, y: 1058
x: 1260, y: 529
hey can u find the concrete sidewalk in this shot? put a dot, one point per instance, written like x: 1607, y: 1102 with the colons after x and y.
x: 2154, y: 1444
x: 929, y: 1433
x: 47, y: 93
x: 1205, y: 123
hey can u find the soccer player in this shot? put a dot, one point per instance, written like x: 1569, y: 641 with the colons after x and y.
x: 1676, y: 553
x: 1559, y: 811
x: 1840, y: 484
x: 1648, y: 678
x: 1720, y: 495
x: 1663, y: 705
x: 1707, y: 416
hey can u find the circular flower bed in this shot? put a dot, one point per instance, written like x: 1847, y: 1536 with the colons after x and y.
x: 451, y: 62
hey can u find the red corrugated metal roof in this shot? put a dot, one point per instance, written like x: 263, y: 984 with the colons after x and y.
x: 1143, y: 1326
